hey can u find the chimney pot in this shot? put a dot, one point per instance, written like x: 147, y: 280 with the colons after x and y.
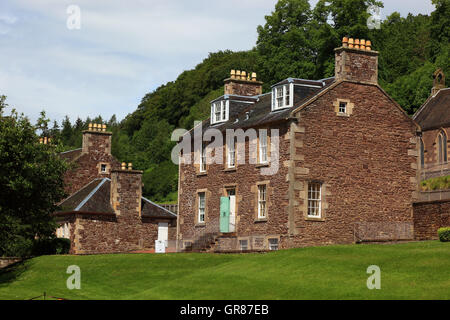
x: 90, y: 126
x: 104, y: 128
x: 233, y: 74
x: 345, y: 42
x: 124, y: 166
x: 348, y: 63
x: 363, y: 44
x: 130, y: 166
x: 351, y: 43
x: 243, y: 84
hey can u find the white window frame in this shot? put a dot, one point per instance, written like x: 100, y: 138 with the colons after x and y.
x: 201, y: 207
x: 315, y: 200
x: 263, y: 146
x: 243, y: 244
x: 203, y: 158
x: 220, y: 111
x: 345, y: 107
x: 272, y: 246
x: 262, y: 201
x: 231, y: 152
x: 280, y: 93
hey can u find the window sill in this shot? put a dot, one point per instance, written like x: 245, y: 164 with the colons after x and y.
x: 200, y: 225
x: 229, y: 169
x: 340, y: 114
x: 262, y: 165
x: 201, y: 174
x: 261, y: 220
x: 281, y: 109
x: 316, y: 219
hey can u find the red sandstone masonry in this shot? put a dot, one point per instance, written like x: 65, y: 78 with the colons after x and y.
x: 96, y: 151
x: 429, y: 217
x: 363, y: 160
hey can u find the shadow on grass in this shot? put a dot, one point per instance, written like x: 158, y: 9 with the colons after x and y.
x: 12, y: 272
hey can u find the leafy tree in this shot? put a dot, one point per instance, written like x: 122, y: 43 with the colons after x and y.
x: 31, y: 180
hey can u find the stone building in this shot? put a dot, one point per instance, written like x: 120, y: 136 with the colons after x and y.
x: 434, y: 119
x: 346, y: 161
x: 432, y: 210
x: 106, y: 212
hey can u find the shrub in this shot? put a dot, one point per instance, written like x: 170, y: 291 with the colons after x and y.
x: 51, y: 246
x: 444, y: 234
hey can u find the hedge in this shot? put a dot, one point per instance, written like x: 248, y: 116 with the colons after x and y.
x: 444, y: 234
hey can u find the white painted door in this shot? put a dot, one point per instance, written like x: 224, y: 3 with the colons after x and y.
x: 232, y: 196
x: 163, y: 231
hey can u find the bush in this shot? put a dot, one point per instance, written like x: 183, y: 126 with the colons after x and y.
x: 444, y: 234
x: 51, y: 246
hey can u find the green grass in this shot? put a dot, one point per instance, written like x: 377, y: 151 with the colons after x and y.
x: 440, y: 183
x: 419, y: 270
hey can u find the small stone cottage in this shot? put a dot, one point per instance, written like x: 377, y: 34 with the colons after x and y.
x: 106, y: 212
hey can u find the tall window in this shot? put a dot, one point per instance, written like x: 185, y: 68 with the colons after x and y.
x: 442, y: 147
x: 422, y: 153
x: 201, y: 207
x: 263, y: 146
x: 219, y: 111
x: 262, y: 201
x: 282, y: 96
x: 342, y: 107
x: 314, y: 199
x: 231, y: 152
x: 203, y: 159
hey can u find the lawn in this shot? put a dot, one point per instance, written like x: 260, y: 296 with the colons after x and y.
x: 418, y: 270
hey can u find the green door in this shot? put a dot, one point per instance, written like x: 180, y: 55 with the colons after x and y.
x: 224, y: 214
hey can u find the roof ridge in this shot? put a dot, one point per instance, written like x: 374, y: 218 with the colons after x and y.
x: 71, y: 151
x: 79, y: 190
x: 89, y: 196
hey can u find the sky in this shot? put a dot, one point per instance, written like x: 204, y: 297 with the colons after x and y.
x: 120, y: 50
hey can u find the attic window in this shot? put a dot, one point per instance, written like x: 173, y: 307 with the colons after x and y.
x: 282, y: 96
x: 219, y: 111
x: 342, y: 107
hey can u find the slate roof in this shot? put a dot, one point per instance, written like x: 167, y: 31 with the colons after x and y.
x: 70, y: 155
x: 94, y: 198
x: 435, y: 113
x: 256, y: 111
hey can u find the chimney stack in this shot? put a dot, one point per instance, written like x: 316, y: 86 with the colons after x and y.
x: 438, y: 81
x: 96, y: 139
x: 126, y: 191
x: 355, y: 61
x: 242, y: 84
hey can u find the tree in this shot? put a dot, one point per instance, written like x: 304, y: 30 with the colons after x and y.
x: 31, y: 180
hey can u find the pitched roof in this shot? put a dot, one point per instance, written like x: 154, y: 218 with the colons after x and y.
x: 94, y: 198
x: 435, y: 112
x: 70, y: 155
x: 258, y: 112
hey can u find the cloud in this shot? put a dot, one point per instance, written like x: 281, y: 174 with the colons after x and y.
x: 122, y: 51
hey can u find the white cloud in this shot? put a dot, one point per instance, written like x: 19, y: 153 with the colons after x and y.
x: 123, y: 50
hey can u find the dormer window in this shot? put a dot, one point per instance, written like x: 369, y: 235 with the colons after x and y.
x: 219, y: 111
x: 282, y: 96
